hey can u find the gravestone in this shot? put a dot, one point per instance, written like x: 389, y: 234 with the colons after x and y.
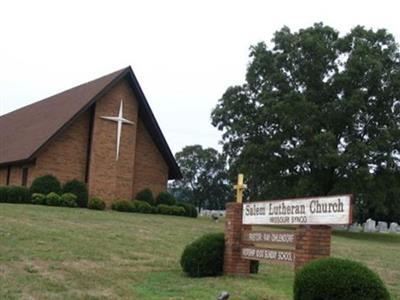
x: 369, y: 226
x: 355, y: 228
x: 382, y: 227
x: 394, y: 227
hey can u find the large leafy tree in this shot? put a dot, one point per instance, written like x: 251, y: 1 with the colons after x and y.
x: 204, y: 182
x: 319, y: 114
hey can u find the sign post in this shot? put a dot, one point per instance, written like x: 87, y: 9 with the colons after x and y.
x: 310, y: 240
x: 234, y: 264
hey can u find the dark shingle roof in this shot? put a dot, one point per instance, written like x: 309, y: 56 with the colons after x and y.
x: 25, y: 131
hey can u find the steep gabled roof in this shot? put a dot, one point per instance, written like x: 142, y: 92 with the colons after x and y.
x: 24, y: 132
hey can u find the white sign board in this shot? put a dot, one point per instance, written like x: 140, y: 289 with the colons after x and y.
x: 312, y: 211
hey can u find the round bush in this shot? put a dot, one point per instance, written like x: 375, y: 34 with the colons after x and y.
x: 79, y: 189
x: 165, y: 198
x: 46, y: 184
x: 338, y: 279
x: 190, y: 210
x: 18, y: 194
x: 96, y: 203
x: 142, y: 207
x: 38, y: 198
x: 123, y: 205
x: 205, y: 256
x: 53, y: 199
x: 145, y: 195
x: 68, y: 200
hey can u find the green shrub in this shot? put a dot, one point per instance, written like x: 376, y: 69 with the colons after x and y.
x: 38, y: 198
x: 3, y: 194
x: 164, y: 209
x: 123, y: 205
x: 68, y: 200
x: 165, y: 198
x: 142, y: 207
x: 18, y: 194
x: 338, y: 279
x: 45, y: 185
x: 178, y: 210
x: 190, y: 210
x: 96, y: 203
x: 53, y: 199
x: 79, y: 189
x: 145, y: 195
x: 205, y: 256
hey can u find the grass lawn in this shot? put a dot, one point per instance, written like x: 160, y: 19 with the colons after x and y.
x: 63, y: 253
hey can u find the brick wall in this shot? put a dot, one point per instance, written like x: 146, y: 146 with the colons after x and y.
x: 15, y: 175
x: 3, y: 176
x: 151, y: 170
x: 312, y: 242
x: 108, y: 178
x: 233, y: 263
x: 65, y: 156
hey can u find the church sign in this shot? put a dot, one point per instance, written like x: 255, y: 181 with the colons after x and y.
x: 276, y: 255
x: 311, y: 219
x: 306, y: 211
x: 274, y: 237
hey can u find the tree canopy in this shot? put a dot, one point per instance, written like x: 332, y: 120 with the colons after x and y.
x: 204, y: 182
x: 319, y: 114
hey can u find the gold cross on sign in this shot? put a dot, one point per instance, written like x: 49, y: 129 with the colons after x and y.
x: 239, y: 187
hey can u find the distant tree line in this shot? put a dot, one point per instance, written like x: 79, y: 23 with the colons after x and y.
x: 205, y: 182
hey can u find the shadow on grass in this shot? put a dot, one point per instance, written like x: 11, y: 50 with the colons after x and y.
x: 370, y: 237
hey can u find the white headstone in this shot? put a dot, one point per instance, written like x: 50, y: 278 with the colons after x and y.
x: 355, y: 228
x: 382, y: 227
x: 369, y: 226
x: 394, y: 227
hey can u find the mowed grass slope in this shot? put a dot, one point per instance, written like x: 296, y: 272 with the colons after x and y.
x: 62, y: 253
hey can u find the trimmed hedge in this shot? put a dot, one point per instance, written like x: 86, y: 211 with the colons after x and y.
x: 165, y: 198
x: 142, y: 207
x: 68, y: 200
x: 123, y: 205
x: 46, y: 184
x: 172, y: 210
x: 145, y: 195
x: 79, y: 189
x: 3, y: 194
x: 18, y: 194
x: 338, y: 279
x: 190, y: 210
x: 53, y: 199
x: 38, y: 198
x: 96, y: 203
x: 205, y: 256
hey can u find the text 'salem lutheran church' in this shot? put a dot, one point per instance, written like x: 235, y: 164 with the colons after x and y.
x: 102, y: 132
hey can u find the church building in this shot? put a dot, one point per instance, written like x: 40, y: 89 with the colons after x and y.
x: 102, y: 132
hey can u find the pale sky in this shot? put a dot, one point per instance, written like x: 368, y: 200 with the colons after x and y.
x: 184, y: 53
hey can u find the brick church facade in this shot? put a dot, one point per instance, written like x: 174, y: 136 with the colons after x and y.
x: 75, y: 135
